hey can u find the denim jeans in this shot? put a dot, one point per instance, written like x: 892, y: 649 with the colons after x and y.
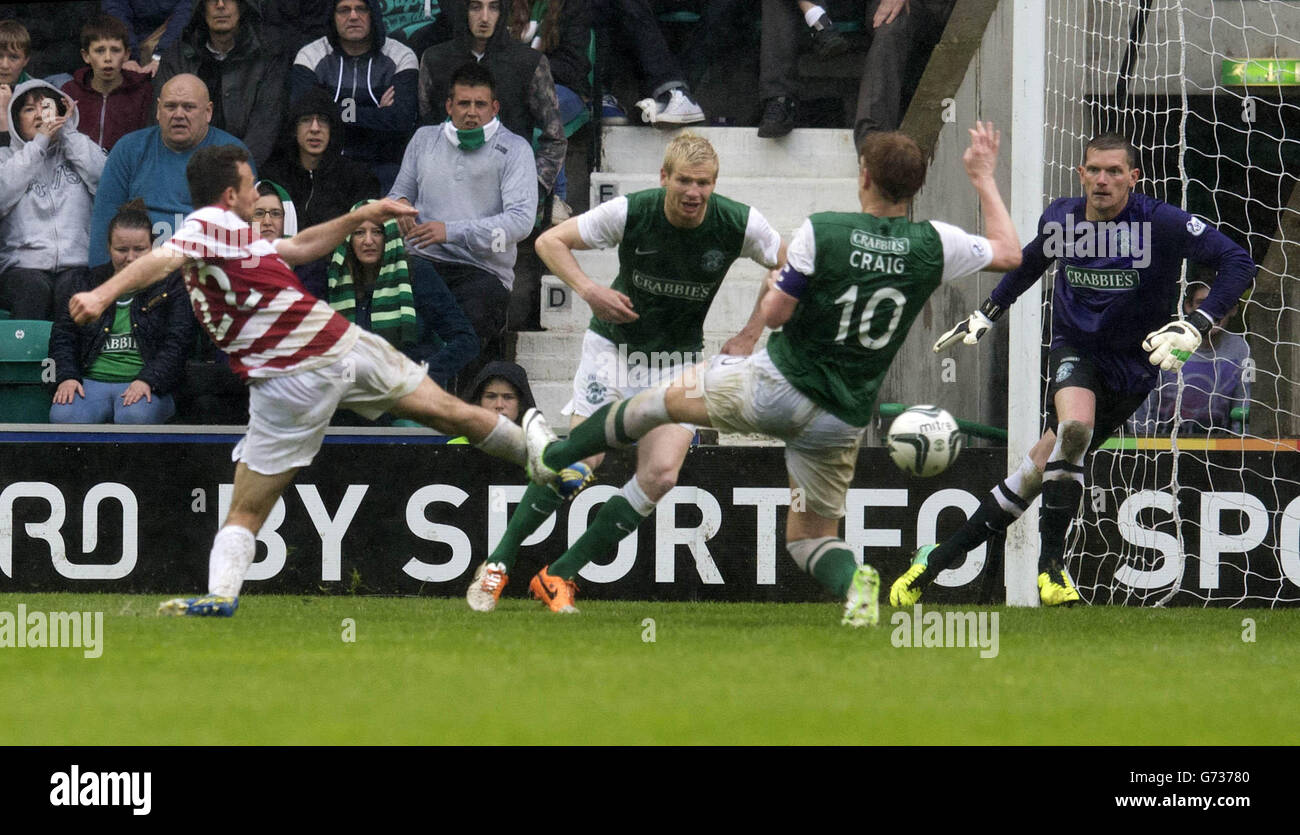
x: 103, y: 404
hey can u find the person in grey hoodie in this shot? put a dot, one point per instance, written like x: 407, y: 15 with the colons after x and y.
x: 48, y: 178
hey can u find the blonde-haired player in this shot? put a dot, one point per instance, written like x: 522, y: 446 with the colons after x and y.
x: 675, y: 244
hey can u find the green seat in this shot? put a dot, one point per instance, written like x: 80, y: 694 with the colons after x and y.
x: 24, y: 403
x: 24, y: 347
x: 4, y: 314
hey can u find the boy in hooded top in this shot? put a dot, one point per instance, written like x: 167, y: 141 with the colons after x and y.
x: 112, y: 100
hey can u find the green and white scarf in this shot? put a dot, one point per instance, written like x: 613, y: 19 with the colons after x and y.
x: 470, y: 140
x: 392, y: 309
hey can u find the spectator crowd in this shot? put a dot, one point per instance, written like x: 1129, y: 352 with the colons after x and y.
x: 463, y: 108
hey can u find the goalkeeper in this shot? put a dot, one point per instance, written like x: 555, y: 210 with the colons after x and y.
x: 1121, y: 254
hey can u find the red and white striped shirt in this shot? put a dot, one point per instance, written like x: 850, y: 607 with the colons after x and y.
x: 251, y: 303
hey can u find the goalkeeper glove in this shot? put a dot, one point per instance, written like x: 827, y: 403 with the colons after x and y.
x: 1172, y: 345
x: 972, y: 329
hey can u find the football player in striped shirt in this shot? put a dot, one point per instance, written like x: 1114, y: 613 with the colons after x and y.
x: 300, y: 358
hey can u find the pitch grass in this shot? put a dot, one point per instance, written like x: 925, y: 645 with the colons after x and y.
x: 429, y: 671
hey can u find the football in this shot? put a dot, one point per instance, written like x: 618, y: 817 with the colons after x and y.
x: 924, y: 440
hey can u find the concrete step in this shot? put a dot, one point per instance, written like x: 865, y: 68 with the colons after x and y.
x: 784, y: 201
x: 741, y: 153
x: 551, y: 395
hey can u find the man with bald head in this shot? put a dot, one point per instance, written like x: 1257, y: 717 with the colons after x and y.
x: 150, y: 163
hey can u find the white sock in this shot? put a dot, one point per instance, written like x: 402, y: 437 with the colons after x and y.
x: 1020, y: 489
x: 506, y: 441
x: 806, y: 552
x: 233, y: 550
x: 810, y: 17
x: 636, y: 497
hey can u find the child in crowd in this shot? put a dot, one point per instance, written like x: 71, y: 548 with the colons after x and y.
x: 112, y: 101
x: 15, y: 52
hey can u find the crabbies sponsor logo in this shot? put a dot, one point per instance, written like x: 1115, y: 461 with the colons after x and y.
x: 953, y: 629
x: 672, y: 289
x: 118, y: 342
x: 103, y: 788
x: 40, y: 630
x: 1098, y: 239
x: 880, y: 245
x: 1102, y: 279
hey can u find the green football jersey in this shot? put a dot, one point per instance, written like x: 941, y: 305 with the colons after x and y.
x: 871, y: 277
x: 672, y: 275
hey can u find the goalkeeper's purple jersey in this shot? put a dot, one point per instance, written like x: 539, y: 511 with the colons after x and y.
x: 1118, y: 280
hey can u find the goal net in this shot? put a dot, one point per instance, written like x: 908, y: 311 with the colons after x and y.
x: 1197, y: 501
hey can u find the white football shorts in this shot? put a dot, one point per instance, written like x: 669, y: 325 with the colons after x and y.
x: 288, y: 415
x: 748, y: 395
x: 604, y: 375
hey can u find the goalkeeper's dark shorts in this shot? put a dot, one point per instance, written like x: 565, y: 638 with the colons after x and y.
x: 1070, y: 368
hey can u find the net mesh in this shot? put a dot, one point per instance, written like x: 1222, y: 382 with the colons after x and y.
x: 1197, y: 500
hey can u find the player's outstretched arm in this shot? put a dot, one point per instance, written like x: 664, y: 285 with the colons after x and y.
x: 782, y: 296
x: 142, y: 272
x: 981, y: 161
x: 555, y: 247
x: 322, y: 239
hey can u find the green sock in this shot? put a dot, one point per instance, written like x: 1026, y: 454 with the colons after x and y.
x: 601, y: 538
x: 834, y: 569
x: 534, y: 508
x: 586, y: 439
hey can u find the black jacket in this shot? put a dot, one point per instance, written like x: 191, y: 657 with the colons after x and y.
x: 336, y: 185
x: 161, y: 320
x: 249, y: 88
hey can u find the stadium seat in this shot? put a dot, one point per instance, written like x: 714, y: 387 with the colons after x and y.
x: 24, y: 347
